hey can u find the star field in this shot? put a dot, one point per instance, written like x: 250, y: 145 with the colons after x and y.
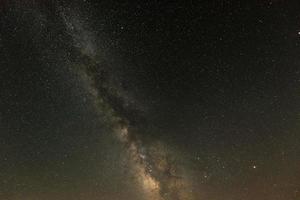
x: 109, y: 100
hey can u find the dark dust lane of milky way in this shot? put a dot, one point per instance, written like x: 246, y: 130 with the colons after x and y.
x: 149, y: 100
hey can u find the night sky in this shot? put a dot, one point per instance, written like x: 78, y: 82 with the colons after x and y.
x: 149, y: 100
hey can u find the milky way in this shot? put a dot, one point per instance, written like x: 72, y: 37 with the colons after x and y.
x: 152, y: 165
